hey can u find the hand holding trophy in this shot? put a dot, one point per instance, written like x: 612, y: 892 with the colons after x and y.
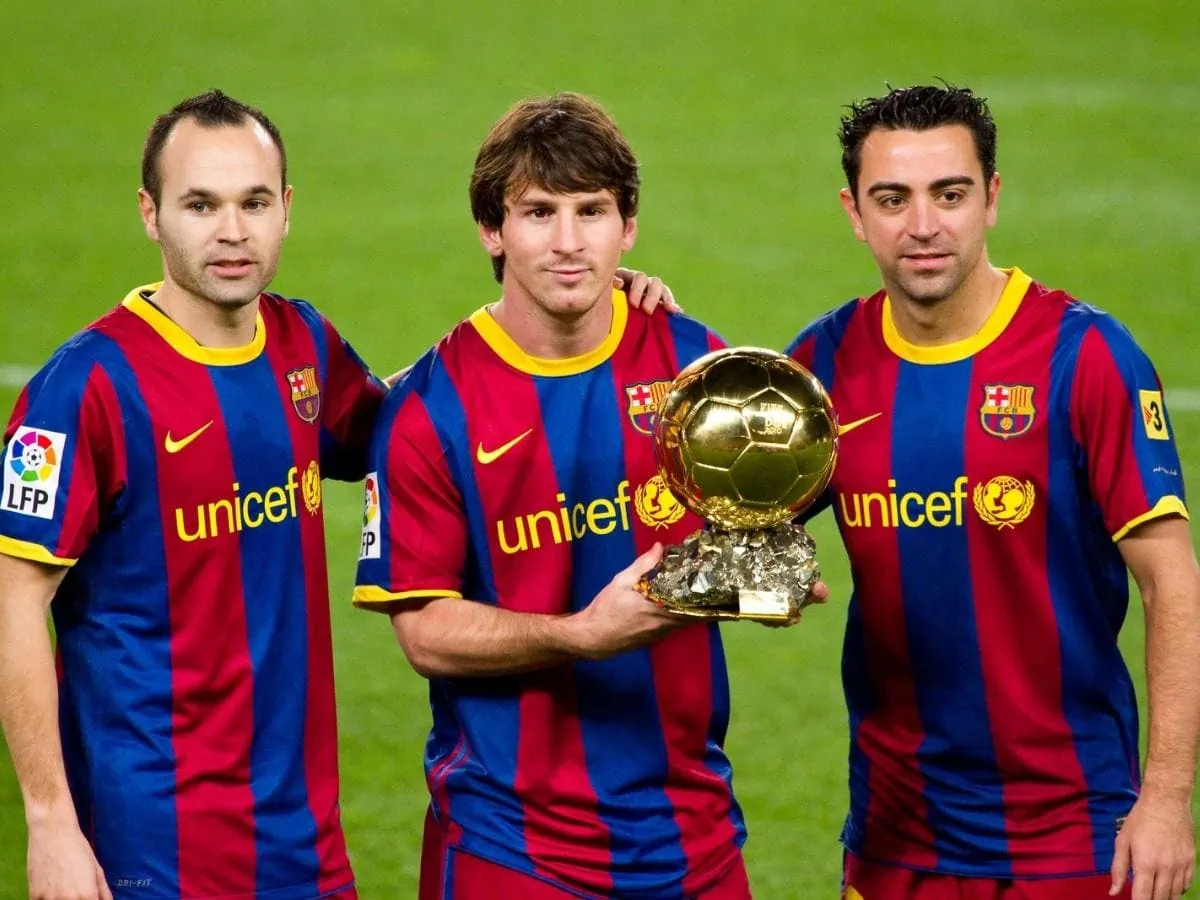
x: 747, y: 439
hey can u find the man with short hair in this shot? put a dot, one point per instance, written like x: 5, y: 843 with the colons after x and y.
x: 162, y: 497
x: 578, y: 729
x: 1019, y: 438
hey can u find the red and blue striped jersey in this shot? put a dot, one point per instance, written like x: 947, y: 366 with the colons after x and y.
x: 528, y: 484
x: 182, y: 486
x: 980, y: 490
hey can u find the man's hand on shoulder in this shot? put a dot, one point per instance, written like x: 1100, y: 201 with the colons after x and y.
x: 645, y: 292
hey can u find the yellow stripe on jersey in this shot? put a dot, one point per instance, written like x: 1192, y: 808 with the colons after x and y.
x: 367, y: 596
x: 1167, y: 506
x: 506, y: 348
x: 183, y: 343
x: 1006, y: 308
x: 34, y: 552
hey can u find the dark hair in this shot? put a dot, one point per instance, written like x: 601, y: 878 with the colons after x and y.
x: 211, y: 110
x: 919, y: 108
x: 565, y: 143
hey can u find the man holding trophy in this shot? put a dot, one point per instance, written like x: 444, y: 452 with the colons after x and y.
x: 578, y: 727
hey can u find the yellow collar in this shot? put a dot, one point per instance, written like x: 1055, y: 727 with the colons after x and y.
x: 182, y: 342
x: 1006, y: 308
x: 506, y: 348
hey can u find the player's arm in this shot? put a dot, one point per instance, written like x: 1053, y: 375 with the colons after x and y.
x: 1135, y: 477
x: 413, y: 555
x: 60, y: 862
x: 449, y: 637
x: 1158, y: 840
x: 349, y: 402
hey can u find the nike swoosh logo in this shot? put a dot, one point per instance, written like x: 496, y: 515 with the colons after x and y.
x: 175, y: 446
x: 850, y: 426
x: 490, y: 456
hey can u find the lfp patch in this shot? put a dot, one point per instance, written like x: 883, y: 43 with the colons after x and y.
x: 32, y: 465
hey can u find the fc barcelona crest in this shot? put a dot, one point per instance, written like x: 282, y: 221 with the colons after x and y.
x: 1007, y: 409
x: 643, y: 403
x: 306, y: 392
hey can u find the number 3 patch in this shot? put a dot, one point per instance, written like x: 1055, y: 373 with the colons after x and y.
x: 1154, y: 417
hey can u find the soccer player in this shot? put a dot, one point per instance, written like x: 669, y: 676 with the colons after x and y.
x: 576, y: 748
x: 161, y: 495
x: 1019, y: 437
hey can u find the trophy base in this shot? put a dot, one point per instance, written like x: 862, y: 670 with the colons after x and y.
x: 762, y: 576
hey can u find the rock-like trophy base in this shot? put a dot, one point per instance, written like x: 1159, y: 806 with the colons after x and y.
x: 764, y: 575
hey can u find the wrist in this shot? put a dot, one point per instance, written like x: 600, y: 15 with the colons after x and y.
x: 1167, y: 787
x: 55, y: 813
x: 567, y: 635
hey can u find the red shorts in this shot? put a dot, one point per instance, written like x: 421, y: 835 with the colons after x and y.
x: 866, y: 880
x: 448, y: 873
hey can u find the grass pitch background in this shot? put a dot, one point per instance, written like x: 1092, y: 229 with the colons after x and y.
x: 732, y: 109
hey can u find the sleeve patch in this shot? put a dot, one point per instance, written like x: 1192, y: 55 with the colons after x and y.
x: 32, y: 467
x: 1154, y: 419
x: 369, y: 548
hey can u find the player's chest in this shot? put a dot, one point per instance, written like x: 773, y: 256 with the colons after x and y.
x: 224, y: 448
x: 935, y: 445
x: 578, y: 452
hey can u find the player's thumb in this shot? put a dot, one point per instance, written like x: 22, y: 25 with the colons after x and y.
x: 1120, y: 865
x: 645, y: 562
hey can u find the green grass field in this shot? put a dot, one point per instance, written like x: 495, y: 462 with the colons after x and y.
x: 732, y: 109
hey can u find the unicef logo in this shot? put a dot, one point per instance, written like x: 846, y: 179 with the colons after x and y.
x: 1004, y: 501
x: 33, y: 457
x: 656, y: 505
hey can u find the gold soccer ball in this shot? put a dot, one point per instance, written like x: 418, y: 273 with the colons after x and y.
x: 746, y: 438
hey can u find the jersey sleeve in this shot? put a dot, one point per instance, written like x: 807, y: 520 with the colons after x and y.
x: 355, y: 396
x: 414, y: 538
x: 802, y: 350
x: 62, y: 461
x: 1120, y: 419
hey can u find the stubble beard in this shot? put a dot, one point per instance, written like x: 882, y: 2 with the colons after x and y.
x: 194, y: 277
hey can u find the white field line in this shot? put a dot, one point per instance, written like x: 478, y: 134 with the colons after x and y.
x: 1178, y: 399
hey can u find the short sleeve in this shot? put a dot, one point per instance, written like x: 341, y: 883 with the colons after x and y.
x: 414, y: 538
x: 62, y: 465
x: 347, y: 419
x: 1119, y: 416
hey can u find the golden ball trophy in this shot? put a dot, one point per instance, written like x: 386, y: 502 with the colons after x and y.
x: 747, y: 439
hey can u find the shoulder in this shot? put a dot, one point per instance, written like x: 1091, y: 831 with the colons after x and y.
x: 831, y: 327
x: 689, y: 338
x: 1090, y: 329
x: 415, y: 393
x: 91, y: 353
x: 276, y: 309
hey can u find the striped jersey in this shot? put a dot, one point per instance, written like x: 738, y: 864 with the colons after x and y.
x: 182, y: 486
x: 980, y: 491
x: 528, y: 484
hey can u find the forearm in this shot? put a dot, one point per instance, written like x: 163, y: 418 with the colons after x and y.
x: 1172, y: 661
x: 29, y: 712
x: 448, y: 637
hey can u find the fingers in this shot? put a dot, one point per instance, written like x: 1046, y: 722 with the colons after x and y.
x: 644, y: 292
x: 1120, y: 865
x: 391, y: 380
x: 645, y: 562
